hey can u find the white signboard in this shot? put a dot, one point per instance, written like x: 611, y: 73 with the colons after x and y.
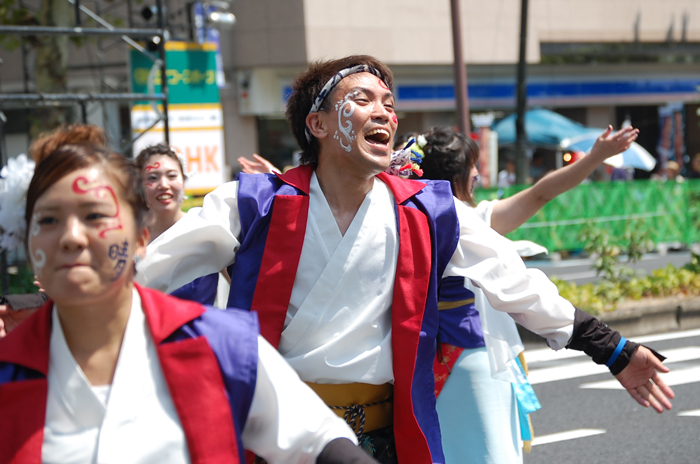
x: 196, y: 131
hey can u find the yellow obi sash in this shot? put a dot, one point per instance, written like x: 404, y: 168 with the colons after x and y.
x: 364, y: 407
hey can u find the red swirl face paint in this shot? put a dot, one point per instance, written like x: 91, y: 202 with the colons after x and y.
x: 99, y: 193
x: 151, y: 167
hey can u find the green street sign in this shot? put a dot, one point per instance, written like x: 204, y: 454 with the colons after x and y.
x: 191, y: 73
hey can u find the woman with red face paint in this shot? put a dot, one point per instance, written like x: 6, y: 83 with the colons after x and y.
x: 483, y: 396
x: 107, y: 370
x: 163, y: 178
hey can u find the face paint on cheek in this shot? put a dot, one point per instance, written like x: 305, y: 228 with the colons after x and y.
x: 99, y: 193
x: 395, y: 119
x: 346, y: 108
x: 37, y: 256
x: 119, y: 255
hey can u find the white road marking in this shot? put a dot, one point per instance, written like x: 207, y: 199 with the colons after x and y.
x: 586, y: 368
x: 548, y: 354
x: 568, y: 435
x: 668, y: 336
x: 569, y: 371
x: 675, y: 377
x: 694, y: 412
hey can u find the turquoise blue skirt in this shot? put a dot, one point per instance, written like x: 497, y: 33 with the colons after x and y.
x: 478, y: 414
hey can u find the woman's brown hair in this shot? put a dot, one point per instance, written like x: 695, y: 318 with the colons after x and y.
x: 69, y: 149
x: 160, y: 149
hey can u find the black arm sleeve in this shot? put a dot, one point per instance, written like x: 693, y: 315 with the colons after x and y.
x: 26, y: 301
x: 599, y: 341
x: 343, y: 451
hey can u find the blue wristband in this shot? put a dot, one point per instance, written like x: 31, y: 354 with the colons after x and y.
x: 617, y: 352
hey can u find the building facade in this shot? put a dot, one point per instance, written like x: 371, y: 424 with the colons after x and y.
x: 597, y: 62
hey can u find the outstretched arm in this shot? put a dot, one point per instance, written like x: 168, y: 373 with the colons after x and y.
x: 532, y: 300
x: 636, y: 367
x: 203, y: 242
x: 510, y: 213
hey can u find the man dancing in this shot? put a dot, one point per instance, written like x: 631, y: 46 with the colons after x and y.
x: 342, y: 262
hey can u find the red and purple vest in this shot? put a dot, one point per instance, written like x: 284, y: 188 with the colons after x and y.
x: 273, y: 212
x: 208, y: 358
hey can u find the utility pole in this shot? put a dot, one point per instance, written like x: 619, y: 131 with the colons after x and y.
x: 521, y: 163
x: 460, y: 71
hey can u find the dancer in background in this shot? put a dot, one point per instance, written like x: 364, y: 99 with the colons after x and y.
x: 163, y: 178
x: 109, y: 370
x: 483, y: 394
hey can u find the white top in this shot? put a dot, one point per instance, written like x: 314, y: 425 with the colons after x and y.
x: 137, y: 421
x: 335, y: 331
x: 503, y: 343
x: 206, y: 240
x: 506, y: 179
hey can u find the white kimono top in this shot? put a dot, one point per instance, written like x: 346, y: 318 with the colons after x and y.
x: 134, y: 419
x: 338, y: 325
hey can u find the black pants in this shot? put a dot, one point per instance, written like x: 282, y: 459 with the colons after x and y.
x: 381, y: 445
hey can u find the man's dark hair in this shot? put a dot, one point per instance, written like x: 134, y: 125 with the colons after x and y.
x: 308, y: 85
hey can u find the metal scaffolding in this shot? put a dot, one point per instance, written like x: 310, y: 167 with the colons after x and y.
x: 126, y: 35
x: 107, y: 30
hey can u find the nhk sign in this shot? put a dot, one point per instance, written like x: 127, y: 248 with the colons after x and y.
x: 195, y: 117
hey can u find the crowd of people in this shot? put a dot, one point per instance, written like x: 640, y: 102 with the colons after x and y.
x: 339, y: 312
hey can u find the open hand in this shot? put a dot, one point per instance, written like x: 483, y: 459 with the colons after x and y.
x: 642, y: 381
x: 609, y: 144
x: 259, y: 166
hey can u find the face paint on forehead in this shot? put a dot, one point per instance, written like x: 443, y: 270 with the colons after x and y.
x: 99, y: 192
x: 150, y: 168
x: 382, y: 84
x: 346, y: 108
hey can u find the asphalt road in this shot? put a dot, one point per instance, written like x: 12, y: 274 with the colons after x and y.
x: 580, y: 271
x: 584, y: 420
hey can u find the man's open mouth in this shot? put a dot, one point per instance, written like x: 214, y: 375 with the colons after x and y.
x: 378, y: 137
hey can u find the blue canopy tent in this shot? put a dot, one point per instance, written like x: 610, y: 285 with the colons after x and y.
x: 543, y: 127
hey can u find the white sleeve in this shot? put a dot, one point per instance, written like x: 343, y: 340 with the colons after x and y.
x: 490, y: 261
x: 288, y: 422
x: 203, y: 242
x: 485, y: 210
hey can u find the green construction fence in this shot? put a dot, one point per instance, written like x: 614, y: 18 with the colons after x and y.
x: 668, y: 211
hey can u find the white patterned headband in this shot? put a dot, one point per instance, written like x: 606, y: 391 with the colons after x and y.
x: 333, y: 82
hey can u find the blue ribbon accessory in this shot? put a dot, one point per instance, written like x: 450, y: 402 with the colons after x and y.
x: 616, y: 353
x: 527, y: 404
